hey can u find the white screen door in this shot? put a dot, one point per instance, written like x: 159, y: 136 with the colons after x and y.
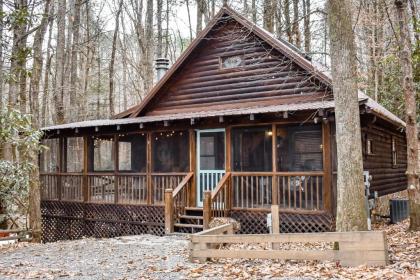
x: 211, y: 160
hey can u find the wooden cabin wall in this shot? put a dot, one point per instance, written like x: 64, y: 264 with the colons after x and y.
x: 264, y: 75
x: 386, y: 177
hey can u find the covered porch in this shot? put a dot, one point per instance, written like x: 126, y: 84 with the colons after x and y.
x: 246, y: 165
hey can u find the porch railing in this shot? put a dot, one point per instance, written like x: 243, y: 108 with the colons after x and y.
x: 107, y: 187
x: 221, y: 197
x: 180, y: 195
x: 291, y: 190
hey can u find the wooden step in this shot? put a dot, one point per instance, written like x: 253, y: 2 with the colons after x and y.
x: 188, y: 225
x: 191, y: 217
x: 194, y: 208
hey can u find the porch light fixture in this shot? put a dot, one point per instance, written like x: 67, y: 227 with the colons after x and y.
x: 58, y: 132
x: 252, y: 117
x: 221, y: 119
x: 192, y: 121
x: 269, y: 133
x: 141, y: 126
x: 325, y: 120
x: 118, y: 127
x: 96, y: 129
x: 285, y: 114
x: 316, y: 120
x: 165, y: 123
x: 76, y: 130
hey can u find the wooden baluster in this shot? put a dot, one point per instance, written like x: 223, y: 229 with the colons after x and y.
x: 289, y: 191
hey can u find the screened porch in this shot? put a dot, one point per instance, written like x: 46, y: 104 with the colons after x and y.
x: 255, y: 166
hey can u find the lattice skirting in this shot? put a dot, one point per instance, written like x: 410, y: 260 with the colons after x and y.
x: 255, y: 222
x: 73, y: 220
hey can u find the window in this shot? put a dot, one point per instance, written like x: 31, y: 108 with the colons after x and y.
x: 102, y: 155
x: 74, y: 154
x: 394, y: 152
x: 132, y: 153
x: 369, y: 147
x: 49, y: 156
x: 252, y: 149
x: 170, y: 151
x: 230, y: 62
x: 299, y: 148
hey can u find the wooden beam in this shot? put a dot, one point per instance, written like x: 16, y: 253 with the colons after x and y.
x: 169, y: 211
x: 149, y: 169
x: 274, y: 185
x: 206, y: 210
x: 116, y: 167
x: 85, y: 169
x: 192, y: 193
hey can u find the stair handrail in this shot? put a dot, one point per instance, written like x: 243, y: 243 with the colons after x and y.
x: 220, y: 203
x: 182, y: 184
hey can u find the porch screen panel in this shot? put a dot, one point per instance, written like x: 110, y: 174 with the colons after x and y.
x: 252, y: 149
x: 74, y: 154
x: 299, y: 148
x: 49, y: 156
x: 252, y: 152
x: 132, y: 153
x: 101, y: 153
x: 170, y: 151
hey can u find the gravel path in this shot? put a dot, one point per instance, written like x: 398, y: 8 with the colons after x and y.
x: 130, y: 257
x: 153, y: 257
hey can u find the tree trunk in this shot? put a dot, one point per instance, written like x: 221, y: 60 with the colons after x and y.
x: 306, y: 4
x: 148, y: 69
x: 287, y: 24
x: 112, y: 62
x: 351, y: 210
x: 200, y: 13
x: 254, y: 11
x: 269, y: 12
x: 74, y: 79
x: 37, y: 64
x: 404, y: 53
x: 1, y: 64
x: 295, y: 25
x: 159, y: 45
x: 60, y: 62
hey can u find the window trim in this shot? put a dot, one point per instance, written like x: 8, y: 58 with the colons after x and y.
x: 394, y: 152
x: 369, y: 147
x: 240, y: 66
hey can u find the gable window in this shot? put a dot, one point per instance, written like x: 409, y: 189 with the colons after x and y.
x: 230, y: 62
x: 394, y: 152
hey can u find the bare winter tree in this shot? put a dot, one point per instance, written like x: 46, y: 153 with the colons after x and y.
x: 60, y: 62
x: 410, y: 112
x: 351, y: 212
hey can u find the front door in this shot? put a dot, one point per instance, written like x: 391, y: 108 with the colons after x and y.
x: 211, y: 160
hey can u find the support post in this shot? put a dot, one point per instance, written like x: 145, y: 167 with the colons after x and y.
x: 192, y: 192
x: 149, y: 169
x: 85, y: 188
x: 206, y: 210
x: 274, y: 188
x: 275, y: 221
x: 116, y: 168
x: 169, y: 211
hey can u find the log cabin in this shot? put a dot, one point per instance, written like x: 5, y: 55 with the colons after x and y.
x: 240, y: 122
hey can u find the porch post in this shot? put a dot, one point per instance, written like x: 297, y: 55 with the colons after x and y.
x: 116, y: 159
x: 60, y: 165
x: 192, y: 191
x: 326, y: 149
x: 206, y: 210
x: 149, y: 169
x: 228, y: 151
x: 169, y: 211
x: 274, y: 188
x: 85, y: 189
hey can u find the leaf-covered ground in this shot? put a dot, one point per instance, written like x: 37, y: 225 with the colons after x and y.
x: 151, y: 257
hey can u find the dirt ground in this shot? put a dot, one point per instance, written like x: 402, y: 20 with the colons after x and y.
x: 152, y: 257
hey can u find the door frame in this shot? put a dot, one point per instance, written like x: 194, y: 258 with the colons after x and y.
x: 197, y: 172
